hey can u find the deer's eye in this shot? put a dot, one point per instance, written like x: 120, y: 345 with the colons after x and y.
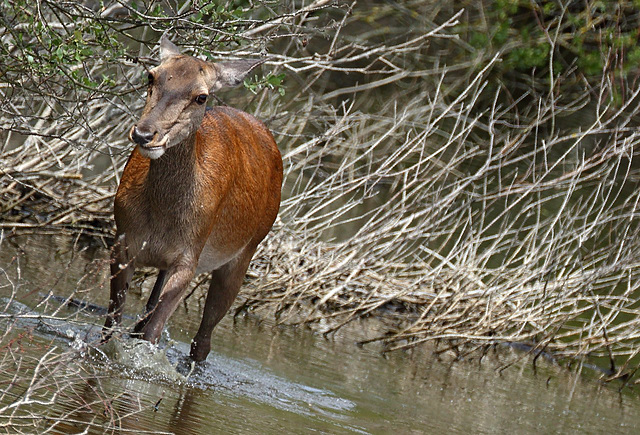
x: 201, y: 99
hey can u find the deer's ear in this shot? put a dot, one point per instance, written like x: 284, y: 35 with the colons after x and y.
x: 167, y: 49
x: 232, y: 73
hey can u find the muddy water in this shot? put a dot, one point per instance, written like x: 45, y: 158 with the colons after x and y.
x: 265, y: 379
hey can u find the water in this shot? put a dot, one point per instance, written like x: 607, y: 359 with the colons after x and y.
x: 261, y: 378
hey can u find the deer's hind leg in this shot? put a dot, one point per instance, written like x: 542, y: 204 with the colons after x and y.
x: 223, y: 289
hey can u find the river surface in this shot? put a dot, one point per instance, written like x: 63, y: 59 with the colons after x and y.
x: 261, y: 378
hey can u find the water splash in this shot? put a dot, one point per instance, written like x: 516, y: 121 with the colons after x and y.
x: 169, y: 363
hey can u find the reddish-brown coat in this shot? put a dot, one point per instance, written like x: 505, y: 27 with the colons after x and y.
x: 204, y: 205
x: 224, y: 191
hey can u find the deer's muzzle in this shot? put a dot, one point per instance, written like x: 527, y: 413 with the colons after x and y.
x: 140, y: 136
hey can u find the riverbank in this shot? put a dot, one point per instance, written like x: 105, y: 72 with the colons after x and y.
x: 462, y: 191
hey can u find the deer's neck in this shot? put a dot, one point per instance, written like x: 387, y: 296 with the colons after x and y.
x: 171, y: 182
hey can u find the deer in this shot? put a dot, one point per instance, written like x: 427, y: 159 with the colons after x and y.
x: 199, y: 192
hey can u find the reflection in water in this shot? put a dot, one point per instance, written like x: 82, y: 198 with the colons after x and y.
x: 265, y: 379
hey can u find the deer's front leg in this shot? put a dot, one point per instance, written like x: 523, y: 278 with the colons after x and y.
x: 152, y: 302
x: 121, y: 273
x: 177, y: 282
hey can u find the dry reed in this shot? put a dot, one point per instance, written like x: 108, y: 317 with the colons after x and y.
x: 414, y: 190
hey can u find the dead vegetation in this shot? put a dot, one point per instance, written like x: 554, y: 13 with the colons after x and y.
x: 416, y: 187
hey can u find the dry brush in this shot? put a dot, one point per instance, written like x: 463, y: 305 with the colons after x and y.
x: 418, y: 189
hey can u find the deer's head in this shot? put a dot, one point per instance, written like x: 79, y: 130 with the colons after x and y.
x: 177, y: 95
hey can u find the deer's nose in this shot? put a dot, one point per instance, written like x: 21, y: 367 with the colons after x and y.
x: 142, y: 137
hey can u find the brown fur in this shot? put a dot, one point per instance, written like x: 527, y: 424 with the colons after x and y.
x: 203, y: 205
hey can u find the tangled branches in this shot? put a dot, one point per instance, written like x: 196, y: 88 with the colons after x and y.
x: 417, y: 187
